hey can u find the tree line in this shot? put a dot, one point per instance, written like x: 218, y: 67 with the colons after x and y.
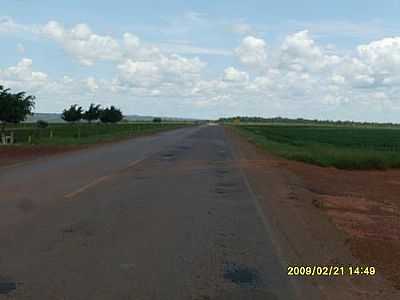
x: 76, y: 113
x: 15, y: 107
x: 300, y: 121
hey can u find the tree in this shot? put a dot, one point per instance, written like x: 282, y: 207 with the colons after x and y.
x: 14, y: 107
x: 111, y: 115
x: 157, y: 120
x: 73, y: 114
x: 92, y: 114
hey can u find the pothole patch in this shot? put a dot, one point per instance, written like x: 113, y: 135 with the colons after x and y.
x: 228, y: 185
x: 226, y: 188
x: 82, y: 228
x: 25, y: 205
x: 241, y: 275
x: 6, y: 287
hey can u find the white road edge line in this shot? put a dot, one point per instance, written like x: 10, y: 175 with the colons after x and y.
x: 237, y: 153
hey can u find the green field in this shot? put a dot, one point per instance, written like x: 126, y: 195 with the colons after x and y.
x: 82, y: 133
x: 340, y: 147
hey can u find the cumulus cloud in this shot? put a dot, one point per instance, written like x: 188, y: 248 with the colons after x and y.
x: 82, y: 43
x: 383, y: 59
x: 22, y: 76
x: 233, y: 75
x: 133, y: 48
x: 167, y: 74
x: 285, y: 79
x: 8, y: 25
x: 139, y: 65
x: 131, y: 42
x: 92, y: 84
x: 252, y: 52
x: 305, y: 74
x: 299, y: 52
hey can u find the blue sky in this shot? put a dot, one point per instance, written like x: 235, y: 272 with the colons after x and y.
x: 314, y: 59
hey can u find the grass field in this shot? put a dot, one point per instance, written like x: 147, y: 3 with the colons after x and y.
x: 340, y: 147
x: 82, y: 133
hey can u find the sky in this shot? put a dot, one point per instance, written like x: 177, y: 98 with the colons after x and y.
x: 336, y: 60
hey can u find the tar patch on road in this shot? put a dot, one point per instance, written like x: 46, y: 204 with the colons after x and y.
x: 83, y: 228
x: 7, y: 287
x: 168, y: 156
x: 241, y: 275
x: 227, y: 188
x: 184, y: 147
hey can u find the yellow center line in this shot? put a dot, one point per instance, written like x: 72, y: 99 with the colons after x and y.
x: 86, y: 187
x: 131, y: 164
x: 134, y: 163
x: 99, y: 180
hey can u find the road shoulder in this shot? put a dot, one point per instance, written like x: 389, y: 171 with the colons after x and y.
x: 304, y: 233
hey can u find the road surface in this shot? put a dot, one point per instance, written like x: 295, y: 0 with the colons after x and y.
x: 169, y: 216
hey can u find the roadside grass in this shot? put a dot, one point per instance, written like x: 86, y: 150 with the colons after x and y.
x: 59, y: 134
x: 341, y: 147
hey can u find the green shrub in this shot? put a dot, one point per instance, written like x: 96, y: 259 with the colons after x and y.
x: 42, y: 124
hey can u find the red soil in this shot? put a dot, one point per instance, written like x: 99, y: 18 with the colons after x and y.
x: 363, y: 204
x: 10, y: 155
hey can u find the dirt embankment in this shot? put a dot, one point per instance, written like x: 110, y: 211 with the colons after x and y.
x: 331, y: 216
x: 363, y: 204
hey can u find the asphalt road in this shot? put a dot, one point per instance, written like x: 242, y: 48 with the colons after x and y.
x: 169, y: 216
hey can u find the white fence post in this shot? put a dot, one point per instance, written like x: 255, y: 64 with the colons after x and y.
x: 7, y: 139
